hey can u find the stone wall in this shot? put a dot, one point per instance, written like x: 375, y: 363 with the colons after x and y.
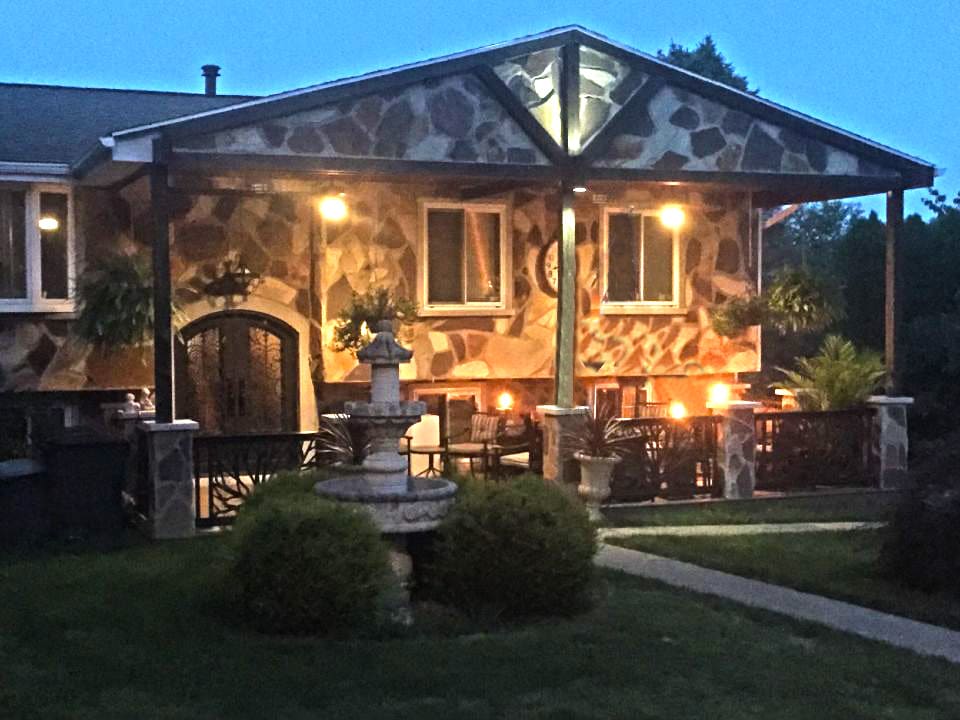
x: 377, y: 246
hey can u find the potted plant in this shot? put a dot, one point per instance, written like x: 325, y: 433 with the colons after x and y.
x: 357, y: 323
x: 594, y: 444
x: 341, y: 442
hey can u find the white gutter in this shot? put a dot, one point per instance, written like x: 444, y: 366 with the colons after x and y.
x: 33, y: 172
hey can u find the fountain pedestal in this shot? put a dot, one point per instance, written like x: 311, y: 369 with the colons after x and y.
x: 398, y: 503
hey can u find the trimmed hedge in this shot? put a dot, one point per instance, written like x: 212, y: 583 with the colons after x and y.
x: 922, y: 549
x: 514, y: 549
x: 304, y: 565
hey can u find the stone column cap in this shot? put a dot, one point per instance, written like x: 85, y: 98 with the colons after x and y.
x: 889, y: 400
x: 175, y: 426
x: 735, y: 405
x: 558, y: 410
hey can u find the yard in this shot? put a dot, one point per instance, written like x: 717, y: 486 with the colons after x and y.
x: 127, y: 634
x: 841, y: 565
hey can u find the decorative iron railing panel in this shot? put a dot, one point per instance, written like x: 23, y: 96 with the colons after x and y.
x: 668, y: 458
x: 227, y: 468
x: 804, y: 450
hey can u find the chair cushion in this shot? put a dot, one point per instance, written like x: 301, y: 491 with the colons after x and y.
x: 519, y: 460
x: 483, y: 428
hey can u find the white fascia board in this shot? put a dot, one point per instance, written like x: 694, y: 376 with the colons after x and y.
x: 138, y: 148
x: 33, y: 172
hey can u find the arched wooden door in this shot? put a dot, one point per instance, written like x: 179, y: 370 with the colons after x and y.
x: 237, y: 372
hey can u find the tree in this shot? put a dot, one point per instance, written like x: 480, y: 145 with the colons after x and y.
x: 706, y: 60
x: 810, y: 236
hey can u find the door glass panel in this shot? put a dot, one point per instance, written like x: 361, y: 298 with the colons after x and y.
x: 13, y: 258
x: 54, y: 281
x: 445, y: 256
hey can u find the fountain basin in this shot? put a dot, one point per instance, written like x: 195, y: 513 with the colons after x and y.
x: 419, y: 507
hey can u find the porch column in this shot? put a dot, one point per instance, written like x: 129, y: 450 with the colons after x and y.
x: 892, y: 352
x: 566, y: 303
x: 162, y: 322
x: 737, y: 448
x: 890, y: 443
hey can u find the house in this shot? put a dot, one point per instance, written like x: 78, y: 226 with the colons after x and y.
x: 564, y: 209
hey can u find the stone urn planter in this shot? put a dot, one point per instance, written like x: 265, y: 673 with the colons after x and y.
x: 595, y: 475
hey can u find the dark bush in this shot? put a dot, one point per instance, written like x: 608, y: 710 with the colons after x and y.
x: 922, y: 549
x: 513, y: 549
x: 304, y: 565
x: 285, y: 484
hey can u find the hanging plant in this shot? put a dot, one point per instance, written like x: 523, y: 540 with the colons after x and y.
x: 116, y: 302
x: 737, y: 314
x: 357, y: 322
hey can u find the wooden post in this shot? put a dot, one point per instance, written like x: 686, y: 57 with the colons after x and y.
x: 893, y: 291
x: 162, y: 322
x: 566, y: 302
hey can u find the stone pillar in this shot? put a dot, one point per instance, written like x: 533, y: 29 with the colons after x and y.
x: 171, y: 512
x: 737, y: 448
x: 559, y: 466
x: 891, y: 443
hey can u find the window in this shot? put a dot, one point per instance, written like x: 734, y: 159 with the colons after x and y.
x: 36, y: 249
x: 640, y: 263
x: 464, y: 259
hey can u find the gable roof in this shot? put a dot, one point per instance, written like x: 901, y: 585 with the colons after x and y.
x: 54, y: 124
x: 280, y: 104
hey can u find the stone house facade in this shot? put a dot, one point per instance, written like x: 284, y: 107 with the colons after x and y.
x: 469, y: 184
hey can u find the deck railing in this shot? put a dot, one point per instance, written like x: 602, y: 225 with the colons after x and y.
x: 804, y: 450
x: 227, y: 468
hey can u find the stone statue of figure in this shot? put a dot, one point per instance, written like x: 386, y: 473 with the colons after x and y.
x: 146, y: 399
x: 130, y: 405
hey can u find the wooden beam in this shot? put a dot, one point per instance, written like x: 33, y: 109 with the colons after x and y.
x: 162, y: 322
x: 516, y: 110
x: 893, y: 284
x: 570, y: 99
x: 566, y: 341
x: 620, y: 122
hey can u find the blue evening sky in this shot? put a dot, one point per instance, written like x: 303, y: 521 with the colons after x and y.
x: 886, y: 69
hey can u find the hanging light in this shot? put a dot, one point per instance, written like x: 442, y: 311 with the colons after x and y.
x: 333, y: 208
x: 505, y: 401
x: 677, y: 410
x: 672, y: 216
x: 719, y: 394
x: 48, y: 223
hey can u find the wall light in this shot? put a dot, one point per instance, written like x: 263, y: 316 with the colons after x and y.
x: 719, y: 394
x: 48, y: 222
x: 677, y: 410
x: 333, y: 208
x: 672, y: 216
x: 579, y: 189
x: 504, y: 401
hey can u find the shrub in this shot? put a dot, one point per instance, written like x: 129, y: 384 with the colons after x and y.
x: 515, y: 550
x: 836, y: 378
x: 304, y: 565
x: 922, y: 548
x: 285, y: 484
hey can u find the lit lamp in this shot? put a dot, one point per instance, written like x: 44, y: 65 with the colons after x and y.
x: 672, y: 216
x: 677, y: 410
x: 505, y: 402
x: 333, y: 208
x: 719, y: 395
x: 48, y: 223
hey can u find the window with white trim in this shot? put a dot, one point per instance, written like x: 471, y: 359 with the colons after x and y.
x: 640, y: 262
x: 464, y: 258
x: 36, y: 249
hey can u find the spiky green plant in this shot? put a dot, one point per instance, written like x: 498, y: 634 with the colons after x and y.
x: 357, y: 322
x: 799, y: 299
x: 836, y: 378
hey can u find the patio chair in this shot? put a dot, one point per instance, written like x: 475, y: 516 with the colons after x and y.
x: 521, y: 453
x: 483, y: 433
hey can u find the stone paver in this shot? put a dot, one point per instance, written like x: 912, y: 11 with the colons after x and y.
x: 751, y: 529
x: 900, y: 632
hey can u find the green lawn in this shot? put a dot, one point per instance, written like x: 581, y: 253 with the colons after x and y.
x: 125, y: 635
x: 840, y: 565
x: 824, y: 507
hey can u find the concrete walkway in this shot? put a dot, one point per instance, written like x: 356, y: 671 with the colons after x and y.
x: 752, y: 529
x: 900, y: 632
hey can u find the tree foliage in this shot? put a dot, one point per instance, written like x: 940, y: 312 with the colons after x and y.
x: 706, y: 60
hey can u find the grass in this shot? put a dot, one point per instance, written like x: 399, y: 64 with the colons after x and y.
x: 125, y: 634
x: 841, y: 565
x: 824, y: 507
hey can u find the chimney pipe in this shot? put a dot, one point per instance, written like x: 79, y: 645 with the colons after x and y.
x: 210, y: 75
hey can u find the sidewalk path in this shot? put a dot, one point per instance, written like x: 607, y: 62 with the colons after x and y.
x: 752, y: 529
x: 900, y: 632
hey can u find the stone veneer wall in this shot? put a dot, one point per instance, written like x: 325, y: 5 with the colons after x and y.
x: 377, y: 246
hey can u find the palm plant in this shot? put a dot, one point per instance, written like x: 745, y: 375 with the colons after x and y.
x: 799, y: 299
x: 838, y: 377
x: 340, y: 441
x: 595, y: 436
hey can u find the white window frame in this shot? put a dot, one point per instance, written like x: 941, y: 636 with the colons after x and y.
x: 34, y: 302
x: 637, y: 307
x: 503, y: 307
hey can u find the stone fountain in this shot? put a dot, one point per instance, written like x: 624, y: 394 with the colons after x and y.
x: 399, y: 504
